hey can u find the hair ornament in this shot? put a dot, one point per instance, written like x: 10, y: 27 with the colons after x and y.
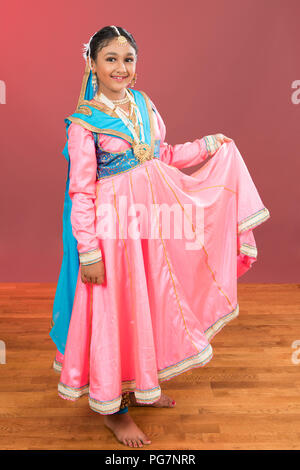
x: 121, y: 39
x: 87, y: 50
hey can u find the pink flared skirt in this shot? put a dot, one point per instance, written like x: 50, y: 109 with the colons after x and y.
x: 169, y: 286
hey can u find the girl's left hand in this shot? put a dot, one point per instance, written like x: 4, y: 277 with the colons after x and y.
x: 214, y: 142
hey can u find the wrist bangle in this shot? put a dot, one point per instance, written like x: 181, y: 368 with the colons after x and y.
x: 90, y: 257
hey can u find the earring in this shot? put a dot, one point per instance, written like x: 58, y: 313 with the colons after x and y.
x: 133, y: 80
x: 94, y: 82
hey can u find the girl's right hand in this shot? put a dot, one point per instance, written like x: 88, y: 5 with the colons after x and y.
x: 93, y: 273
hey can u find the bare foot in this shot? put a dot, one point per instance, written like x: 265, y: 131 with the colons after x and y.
x: 164, y: 401
x: 125, y: 430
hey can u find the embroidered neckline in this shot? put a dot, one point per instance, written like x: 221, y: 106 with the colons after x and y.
x: 83, y: 123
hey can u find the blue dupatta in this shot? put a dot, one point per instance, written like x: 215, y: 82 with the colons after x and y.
x: 97, y: 121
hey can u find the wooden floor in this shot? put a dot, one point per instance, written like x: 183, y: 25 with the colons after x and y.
x: 246, y: 397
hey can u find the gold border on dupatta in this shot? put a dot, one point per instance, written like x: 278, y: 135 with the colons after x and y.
x: 84, y: 110
x: 83, y: 103
x: 83, y: 84
x: 89, y: 127
x: 149, y: 109
x: 101, y: 107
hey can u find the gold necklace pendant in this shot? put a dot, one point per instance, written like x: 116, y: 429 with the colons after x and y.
x: 142, y: 151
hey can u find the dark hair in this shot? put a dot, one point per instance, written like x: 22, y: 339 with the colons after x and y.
x: 103, y: 37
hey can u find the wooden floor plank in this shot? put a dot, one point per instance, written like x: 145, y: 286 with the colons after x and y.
x: 246, y: 397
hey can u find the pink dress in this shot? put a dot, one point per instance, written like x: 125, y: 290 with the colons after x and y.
x: 164, y: 297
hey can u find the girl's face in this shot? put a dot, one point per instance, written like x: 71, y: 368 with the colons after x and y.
x: 115, y: 60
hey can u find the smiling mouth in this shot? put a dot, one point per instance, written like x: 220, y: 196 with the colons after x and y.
x: 119, y: 78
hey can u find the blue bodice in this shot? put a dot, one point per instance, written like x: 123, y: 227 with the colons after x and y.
x: 109, y: 163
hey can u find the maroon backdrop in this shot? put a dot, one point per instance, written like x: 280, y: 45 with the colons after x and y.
x: 219, y: 66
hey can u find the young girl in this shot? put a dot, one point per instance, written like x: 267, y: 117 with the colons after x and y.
x: 138, y: 298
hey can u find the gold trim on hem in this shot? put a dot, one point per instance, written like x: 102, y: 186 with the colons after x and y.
x: 146, y: 396
x: 142, y: 396
x: 219, y: 324
x: 57, y: 366
x: 72, y: 392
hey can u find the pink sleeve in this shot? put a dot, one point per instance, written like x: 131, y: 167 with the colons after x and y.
x: 180, y: 155
x: 82, y: 191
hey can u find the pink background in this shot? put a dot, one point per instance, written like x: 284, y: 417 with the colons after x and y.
x: 217, y: 66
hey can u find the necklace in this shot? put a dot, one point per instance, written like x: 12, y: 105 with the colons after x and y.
x: 141, y: 149
x: 121, y: 101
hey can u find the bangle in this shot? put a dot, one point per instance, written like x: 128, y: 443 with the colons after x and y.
x: 90, y: 257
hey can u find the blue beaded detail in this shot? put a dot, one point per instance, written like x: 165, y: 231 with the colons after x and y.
x: 109, y: 163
